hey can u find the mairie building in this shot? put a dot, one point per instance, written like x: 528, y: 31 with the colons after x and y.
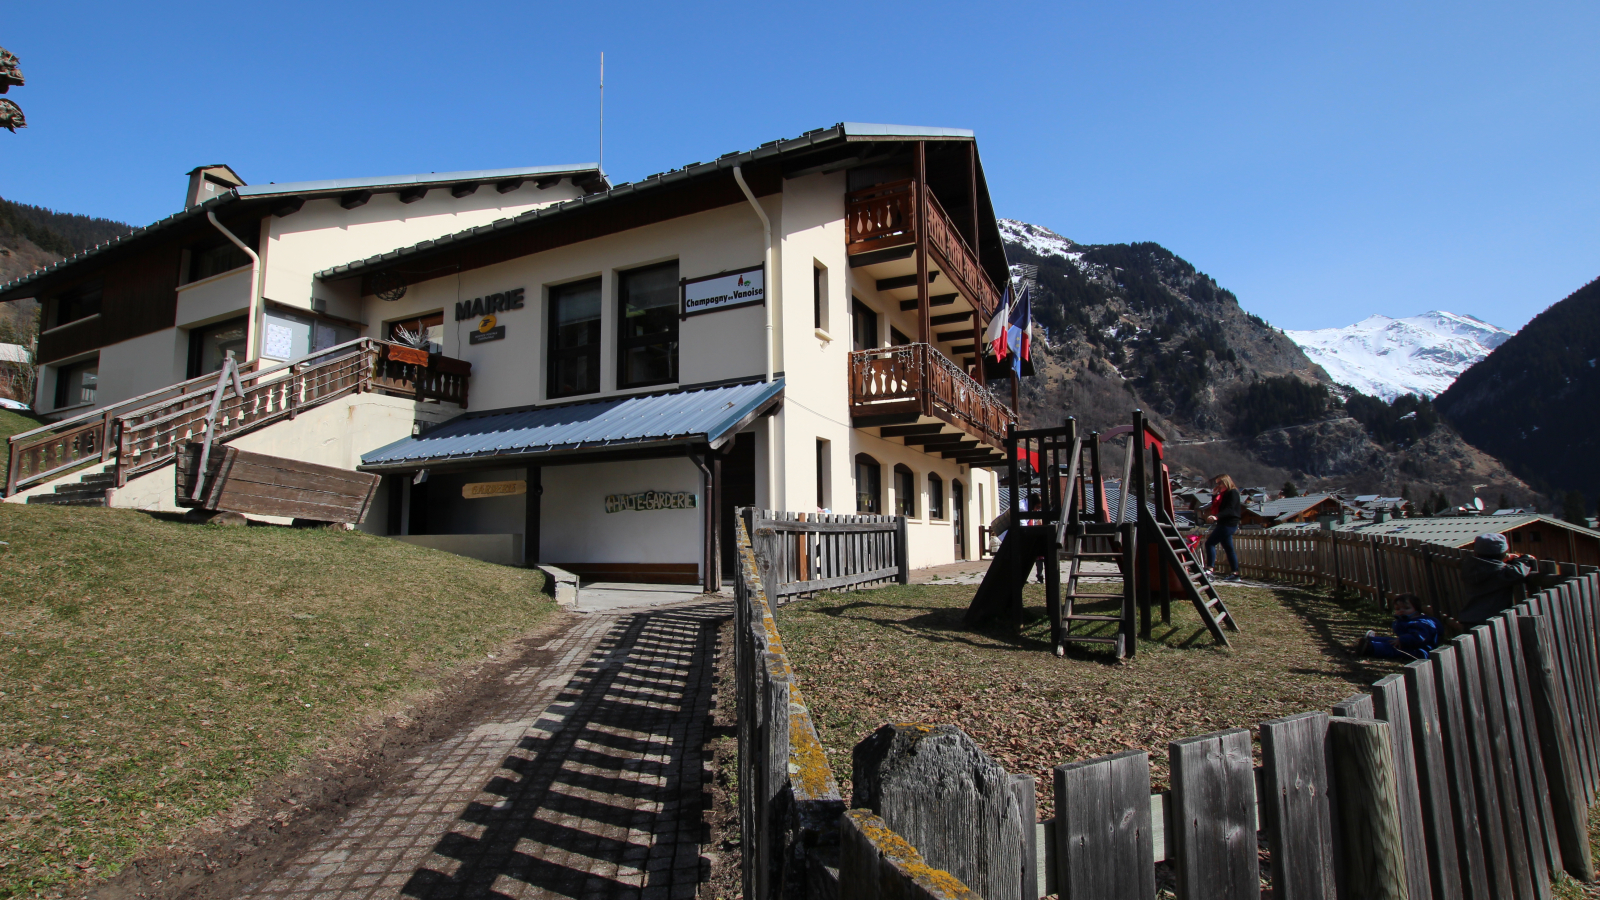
x: 560, y: 369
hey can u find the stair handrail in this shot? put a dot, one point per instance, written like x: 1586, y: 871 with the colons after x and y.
x: 140, y: 404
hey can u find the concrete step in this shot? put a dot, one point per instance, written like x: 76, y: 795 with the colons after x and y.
x: 59, y: 500
x: 99, y: 479
x: 78, y: 492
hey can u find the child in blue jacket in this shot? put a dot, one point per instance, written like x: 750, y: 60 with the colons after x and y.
x: 1415, y: 634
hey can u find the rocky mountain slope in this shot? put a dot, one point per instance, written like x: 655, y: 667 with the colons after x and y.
x: 1384, y: 357
x: 1535, y: 400
x: 1133, y: 325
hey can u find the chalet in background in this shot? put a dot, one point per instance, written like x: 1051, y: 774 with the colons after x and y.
x: 792, y: 327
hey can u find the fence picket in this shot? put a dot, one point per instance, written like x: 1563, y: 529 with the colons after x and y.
x: 1390, y: 705
x: 1433, y: 780
x: 1503, y: 870
x: 1299, y: 817
x: 1103, y: 830
x: 1460, y: 778
x: 1214, y: 816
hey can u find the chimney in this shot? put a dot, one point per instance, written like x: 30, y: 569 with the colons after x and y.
x: 206, y: 182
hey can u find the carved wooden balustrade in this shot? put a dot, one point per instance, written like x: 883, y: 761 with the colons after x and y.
x: 886, y: 216
x: 918, y: 379
x: 147, y: 432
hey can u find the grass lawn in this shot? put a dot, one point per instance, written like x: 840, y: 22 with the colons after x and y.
x: 152, y: 672
x: 901, y: 654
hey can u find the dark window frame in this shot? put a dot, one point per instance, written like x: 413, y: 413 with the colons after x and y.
x: 197, y: 343
x: 64, y: 382
x: 626, y: 342
x: 860, y: 315
x: 818, y: 273
x: 873, y: 491
x: 555, y: 355
x: 935, y: 496
x: 82, y: 302
x: 905, y: 491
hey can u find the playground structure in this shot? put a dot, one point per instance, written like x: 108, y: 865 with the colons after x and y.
x: 1060, y: 512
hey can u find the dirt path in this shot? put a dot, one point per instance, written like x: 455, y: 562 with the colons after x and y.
x: 586, y: 779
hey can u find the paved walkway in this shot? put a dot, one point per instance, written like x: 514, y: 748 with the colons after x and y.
x: 587, y: 782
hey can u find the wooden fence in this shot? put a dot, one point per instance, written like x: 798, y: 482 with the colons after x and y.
x: 1469, y: 774
x: 803, y: 553
x: 1374, y: 565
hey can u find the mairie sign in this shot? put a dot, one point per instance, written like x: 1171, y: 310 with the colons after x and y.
x: 647, y: 500
x: 713, y: 293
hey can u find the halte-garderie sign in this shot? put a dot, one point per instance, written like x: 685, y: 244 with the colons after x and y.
x: 728, y: 290
x: 493, y: 489
x: 484, y: 309
x: 647, y: 500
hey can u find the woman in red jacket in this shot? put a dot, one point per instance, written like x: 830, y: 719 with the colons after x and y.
x: 1226, y: 510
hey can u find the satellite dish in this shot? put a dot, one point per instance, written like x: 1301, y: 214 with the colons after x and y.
x: 1477, y: 503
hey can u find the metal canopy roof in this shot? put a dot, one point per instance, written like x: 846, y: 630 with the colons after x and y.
x: 264, y: 195
x: 1289, y: 506
x: 696, y: 416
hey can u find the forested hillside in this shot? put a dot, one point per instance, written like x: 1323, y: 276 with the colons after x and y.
x: 1135, y: 325
x: 1534, y: 401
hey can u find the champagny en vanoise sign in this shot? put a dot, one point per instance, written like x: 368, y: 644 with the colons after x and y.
x: 714, y: 293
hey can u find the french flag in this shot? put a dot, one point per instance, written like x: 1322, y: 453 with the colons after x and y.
x: 995, y: 337
x: 1019, y: 331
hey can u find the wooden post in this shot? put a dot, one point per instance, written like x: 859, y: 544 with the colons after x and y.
x: 1296, y: 806
x: 977, y: 347
x: 716, y: 517
x: 1104, y: 846
x: 530, y: 515
x: 1133, y: 489
x: 1214, y: 816
x: 1130, y: 589
x: 1568, y: 799
x: 1028, y: 812
x: 902, y: 550
x: 924, y: 326
x: 1373, y: 863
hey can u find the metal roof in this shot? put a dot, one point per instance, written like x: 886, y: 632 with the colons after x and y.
x: 1455, y: 531
x: 1289, y: 506
x: 264, y: 192
x: 695, y: 416
x: 723, y: 163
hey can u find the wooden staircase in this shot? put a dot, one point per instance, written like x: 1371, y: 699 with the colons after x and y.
x: 1089, y: 536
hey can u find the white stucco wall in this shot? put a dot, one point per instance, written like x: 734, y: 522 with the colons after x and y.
x: 574, y: 526
x: 213, y: 299
x: 140, y: 365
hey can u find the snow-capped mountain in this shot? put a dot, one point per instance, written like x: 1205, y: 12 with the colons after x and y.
x: 1387, y: 357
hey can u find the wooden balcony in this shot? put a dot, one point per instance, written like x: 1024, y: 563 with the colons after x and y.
x: 885, y: 216
x: 913, y: 391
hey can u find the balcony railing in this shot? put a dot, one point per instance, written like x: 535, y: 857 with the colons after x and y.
x: 886, y: 216
x: 917, y: 379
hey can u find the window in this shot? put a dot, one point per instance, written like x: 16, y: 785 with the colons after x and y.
x: 819, y: 296
x: 647, y: 326
x: 79, y: 303
x: 209, y: 345
x: 905, y: 492
x: 575, y: 338
x: 869, y: 485
x: 219, y: 254
x: 293, y: 335
x: 935, y: 496
x: 429, y: 328
x: 896, y: 339
x: 863, y: 326
x: 822, y: 475
x: 75, y: 383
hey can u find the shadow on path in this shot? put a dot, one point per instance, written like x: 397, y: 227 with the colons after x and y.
x: 603, y: 796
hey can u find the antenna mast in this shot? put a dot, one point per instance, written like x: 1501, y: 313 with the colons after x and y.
x: 602, y: 162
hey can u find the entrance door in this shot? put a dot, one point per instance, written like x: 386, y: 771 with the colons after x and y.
x: 958, y: 514
x: 738, y: 489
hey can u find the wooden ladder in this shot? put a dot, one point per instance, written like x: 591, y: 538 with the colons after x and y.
x: 1197, y: 584
x: 1088, y: 535
x: 1104, y: 542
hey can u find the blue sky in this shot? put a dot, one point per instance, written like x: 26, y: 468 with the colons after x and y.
x: 1324, y: 162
